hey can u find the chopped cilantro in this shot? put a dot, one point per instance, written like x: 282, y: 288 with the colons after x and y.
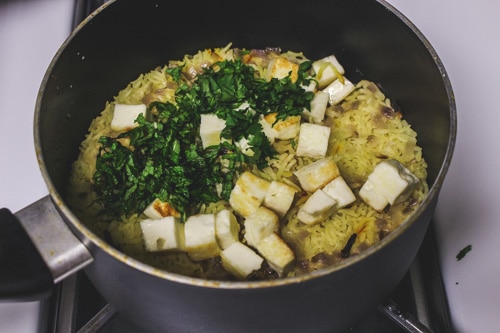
x: 175, y: 73
x: 165, y: 158
x: 463, y: 252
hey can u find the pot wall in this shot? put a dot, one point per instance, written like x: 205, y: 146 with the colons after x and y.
x: 328, y: 303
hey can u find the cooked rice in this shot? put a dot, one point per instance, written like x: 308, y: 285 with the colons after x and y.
x: 364, y: 131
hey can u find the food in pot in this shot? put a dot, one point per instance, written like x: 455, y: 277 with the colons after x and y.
x: 235, y: 164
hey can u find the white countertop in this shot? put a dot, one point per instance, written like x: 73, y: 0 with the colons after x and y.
x: 464, y: 34
x: 31, y: 31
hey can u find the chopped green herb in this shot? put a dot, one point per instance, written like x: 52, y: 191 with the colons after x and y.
x: 165, y: 158
x: 175, y: 73
x: 463, y: 252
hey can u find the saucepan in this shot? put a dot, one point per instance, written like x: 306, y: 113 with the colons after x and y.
x: 45, y: 242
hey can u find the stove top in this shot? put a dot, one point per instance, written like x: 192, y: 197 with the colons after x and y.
x: 466, y: 213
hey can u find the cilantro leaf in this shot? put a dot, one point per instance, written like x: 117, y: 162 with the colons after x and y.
x: 165, y: 158
x: 463, y: 252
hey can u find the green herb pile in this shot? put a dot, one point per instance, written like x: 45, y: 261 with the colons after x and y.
x: 166, y: 159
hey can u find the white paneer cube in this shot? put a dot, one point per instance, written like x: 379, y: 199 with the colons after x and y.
x: 284, y: 129
x: 338, y: 190
x: 318, y: 107
x: 245, y: 147
x: 327, y: 70
x: 317, y: 207
x: 393, y: 180
x: 245, y: 106
x: 248, y: 193
x: 260, y: 224
x: 240, y: 260
x: 312, y: 86
x: 313, y: 140
x: 210, y: 128
x: 338, y: 90
x: 369, y: 193
x: 279, y: 197
x: 200, y: 240
x: 268, y: 129
x: 124, y: 116
x: 317, y: 174
x: 158, y: 209
x: 163, y: 234
x: 277, y: 253
x: 280, y: 68
x: 227, y: 228
x: 218, y: 189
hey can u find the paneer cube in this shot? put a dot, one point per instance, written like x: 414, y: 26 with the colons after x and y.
x: 124, y: 116
x: 248, y: 193
x: 227, y: 228
x: 245, y: 107
x: 158, y: 209
x: 210, y: 128
x: 199, y: 232
x: 125, y: 142
x: 312, y: 86
x: 245, y: 147
x: 277, y: 253
x: 393, y: 180
x: 338, y: 90
x: 260, y: 224
x: 313, y: 140
x: 163, y: 234
x: 327, y: 70
x: 279, y: 197
x: 268, y: 129
x: 317, y: 207
x: 280, y: 68
x: 240, y: 260
x: 338, y: 190
x: 317, y: 174
x: 369, y: 193
x: 284, y: 129
x: 318, y: 107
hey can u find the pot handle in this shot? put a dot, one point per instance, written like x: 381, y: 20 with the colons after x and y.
x: 37, y: 250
